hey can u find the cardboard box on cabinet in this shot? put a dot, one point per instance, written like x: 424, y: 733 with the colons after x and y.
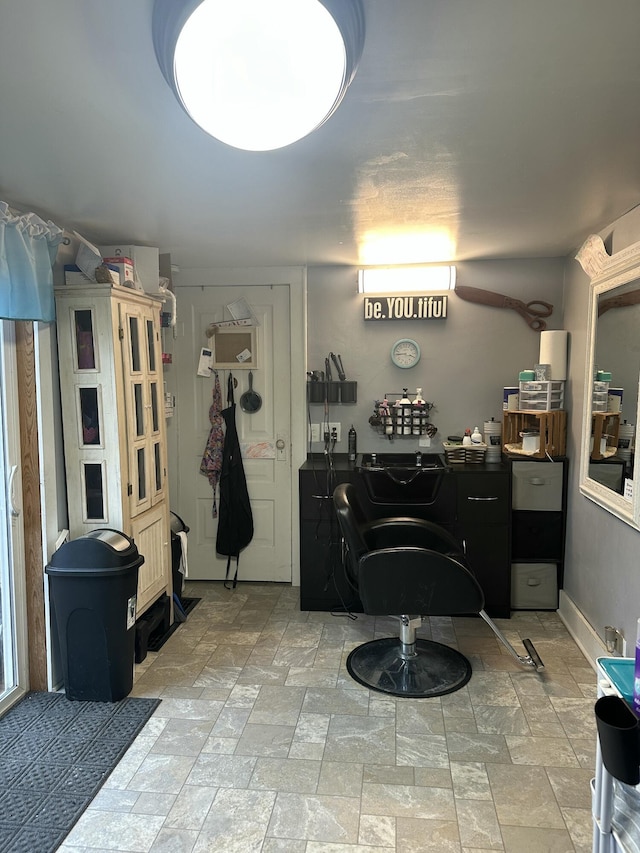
x: 124, y: 268
x: 73, y: 275
x: 146, y: 264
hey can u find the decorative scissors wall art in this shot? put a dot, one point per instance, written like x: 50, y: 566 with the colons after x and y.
x: 532, y: 312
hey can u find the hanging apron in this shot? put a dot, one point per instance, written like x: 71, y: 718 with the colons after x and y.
x: 235, y: 522
x: 211, y: 464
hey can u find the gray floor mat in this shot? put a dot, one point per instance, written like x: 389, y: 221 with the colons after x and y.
x: 54, y: 756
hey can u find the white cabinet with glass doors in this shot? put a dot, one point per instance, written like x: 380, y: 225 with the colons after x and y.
x: 113, y: 420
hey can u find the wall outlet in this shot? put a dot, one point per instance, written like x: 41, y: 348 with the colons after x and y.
x: 614, y: 641
x: 338, y: 429
x: 314, y: 432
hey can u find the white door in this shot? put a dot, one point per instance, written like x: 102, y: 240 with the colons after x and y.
x: 265, y: 435
x: 13, y: 616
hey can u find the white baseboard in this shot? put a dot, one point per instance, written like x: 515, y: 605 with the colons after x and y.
x: 589, y: 643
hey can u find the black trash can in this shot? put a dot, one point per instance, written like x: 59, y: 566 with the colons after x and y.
x: 94, y: 581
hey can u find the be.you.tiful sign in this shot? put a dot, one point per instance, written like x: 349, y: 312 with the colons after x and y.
x: 405, y: 308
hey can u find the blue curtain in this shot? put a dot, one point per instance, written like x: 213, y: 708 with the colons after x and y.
x: 28, y: 248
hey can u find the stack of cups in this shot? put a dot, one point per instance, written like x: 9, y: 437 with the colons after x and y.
x: 625, y: 441
x: 493, y: 440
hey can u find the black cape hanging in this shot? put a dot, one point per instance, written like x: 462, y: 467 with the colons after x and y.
x: 235, y: 519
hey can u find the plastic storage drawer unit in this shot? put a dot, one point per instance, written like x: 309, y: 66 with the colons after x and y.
x: 541, y: 396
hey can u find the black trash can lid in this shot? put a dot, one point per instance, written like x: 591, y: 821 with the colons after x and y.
x: 177, y: 524
x: 102, y: 551
x: 117, y: 540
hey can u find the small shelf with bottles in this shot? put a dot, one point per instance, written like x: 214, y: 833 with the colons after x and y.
x: 403, y: 417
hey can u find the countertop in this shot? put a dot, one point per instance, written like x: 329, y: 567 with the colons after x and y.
x: 340, y: 462
x: 318, y: 462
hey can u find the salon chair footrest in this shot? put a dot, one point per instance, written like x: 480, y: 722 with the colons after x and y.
x: 531, y: 659
x: 434, y: 670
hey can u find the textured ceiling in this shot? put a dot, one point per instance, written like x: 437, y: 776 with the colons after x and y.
x: 473, y: 129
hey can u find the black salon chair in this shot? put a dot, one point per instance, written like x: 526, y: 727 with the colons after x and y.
x: 410, y: 568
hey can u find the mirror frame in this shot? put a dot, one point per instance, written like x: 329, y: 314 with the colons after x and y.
x: 606, y: 273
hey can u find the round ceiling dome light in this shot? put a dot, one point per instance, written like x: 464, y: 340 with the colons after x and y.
x: 259, y: 74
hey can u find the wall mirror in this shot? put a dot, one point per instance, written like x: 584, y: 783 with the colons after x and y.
x: 608, y: 475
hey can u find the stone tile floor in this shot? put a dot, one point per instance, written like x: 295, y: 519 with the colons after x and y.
x: 264, y: 743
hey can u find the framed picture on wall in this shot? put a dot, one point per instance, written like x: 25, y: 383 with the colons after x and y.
x: 234, y: 348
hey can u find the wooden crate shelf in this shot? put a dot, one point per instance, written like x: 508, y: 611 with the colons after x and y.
x: 552, y: 427
x: 604, y: 434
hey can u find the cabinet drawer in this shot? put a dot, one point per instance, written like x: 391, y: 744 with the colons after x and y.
x: 534, y: 586
x: 537, y: 535
x: 483, y: 499
x: 537, y: 485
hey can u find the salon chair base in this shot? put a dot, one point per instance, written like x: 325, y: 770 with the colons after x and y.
x: 433, y: 670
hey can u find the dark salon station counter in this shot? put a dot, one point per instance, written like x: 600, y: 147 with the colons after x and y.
x: 509, y: 515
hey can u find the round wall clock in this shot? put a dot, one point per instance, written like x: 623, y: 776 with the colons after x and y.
x: 405, y: 353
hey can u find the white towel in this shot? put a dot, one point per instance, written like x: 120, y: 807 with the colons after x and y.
x: 183, y: 567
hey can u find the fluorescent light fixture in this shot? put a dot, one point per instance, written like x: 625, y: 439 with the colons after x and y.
x: 259, y: 74
x: 406, y: 279
x: 406, y: 246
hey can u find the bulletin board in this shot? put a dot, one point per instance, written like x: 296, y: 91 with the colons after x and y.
x: 234, y: 348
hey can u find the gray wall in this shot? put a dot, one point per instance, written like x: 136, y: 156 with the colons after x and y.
x: 467, y: 358
x: 602, y: 576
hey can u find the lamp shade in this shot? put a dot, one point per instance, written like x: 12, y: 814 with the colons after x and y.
x: 258, y: 74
